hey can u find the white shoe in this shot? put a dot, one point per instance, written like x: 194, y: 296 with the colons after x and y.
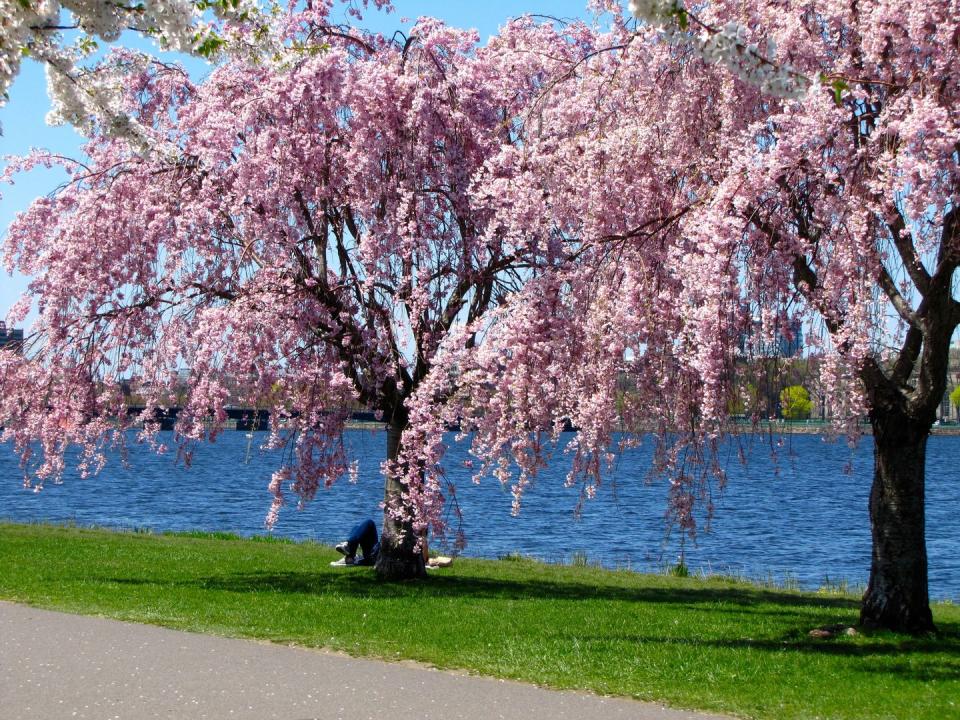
x: 344, y: 561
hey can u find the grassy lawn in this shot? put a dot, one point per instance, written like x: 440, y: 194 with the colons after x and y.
x: 710, y: 644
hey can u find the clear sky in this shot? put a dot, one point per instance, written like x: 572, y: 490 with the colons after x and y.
x: 23, y: 117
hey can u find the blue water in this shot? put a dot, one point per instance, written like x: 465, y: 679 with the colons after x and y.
x: 795, y: 513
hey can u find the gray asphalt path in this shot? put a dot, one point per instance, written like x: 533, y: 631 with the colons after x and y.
x: 54, y: 665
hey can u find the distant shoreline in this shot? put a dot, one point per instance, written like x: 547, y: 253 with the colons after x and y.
x: 741, y: 428
x: 820, y: 428
x: 763, y: 428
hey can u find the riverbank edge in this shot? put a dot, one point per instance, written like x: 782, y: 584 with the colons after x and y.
x: 800, y: 427
x: 767, y: 427
x: 514, y: 618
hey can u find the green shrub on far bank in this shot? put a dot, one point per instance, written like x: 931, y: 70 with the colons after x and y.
x: 795, y: 403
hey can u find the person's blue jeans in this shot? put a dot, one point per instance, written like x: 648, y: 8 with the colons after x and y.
x: 364, y: 536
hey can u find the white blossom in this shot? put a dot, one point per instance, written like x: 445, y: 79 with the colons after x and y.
x: 728, y: 46
x: 79, y: 96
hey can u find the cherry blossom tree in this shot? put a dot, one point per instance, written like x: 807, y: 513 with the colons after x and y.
x: 311, y: 241
x: 739, y: 164
x: 847, y: 203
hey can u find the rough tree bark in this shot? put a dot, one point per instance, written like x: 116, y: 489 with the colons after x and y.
x: 896, y: 597
x: 398, y: 558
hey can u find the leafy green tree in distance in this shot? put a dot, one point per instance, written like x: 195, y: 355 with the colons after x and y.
x: 795, y: 402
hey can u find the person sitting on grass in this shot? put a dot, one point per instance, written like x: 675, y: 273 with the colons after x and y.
x: 363, y: 537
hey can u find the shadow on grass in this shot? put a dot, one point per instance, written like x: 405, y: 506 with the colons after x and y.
x: 789, y: 609
x: 360, y: 583
x: 945, y: 643
x: 923, y: 659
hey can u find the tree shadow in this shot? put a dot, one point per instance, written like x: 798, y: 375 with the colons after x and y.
x: 806, y: 610
x: 360, y: 583
x: 872, y: 653
x: 934, y: 658
x: 938, y: 670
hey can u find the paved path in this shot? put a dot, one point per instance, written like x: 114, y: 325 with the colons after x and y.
x: 55, y: 666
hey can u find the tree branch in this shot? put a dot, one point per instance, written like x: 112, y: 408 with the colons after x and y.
x: 908, y: 253
x: 907, y: 357
x: 320, y: 243
x: 899, y: 303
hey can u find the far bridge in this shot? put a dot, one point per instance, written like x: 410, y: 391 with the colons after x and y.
x: 247, y: 419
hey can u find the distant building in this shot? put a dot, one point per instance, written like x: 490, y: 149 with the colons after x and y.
x: 946, y: 411
x: 786, y: 343
x: 11, y: 338
x: 790, y: 343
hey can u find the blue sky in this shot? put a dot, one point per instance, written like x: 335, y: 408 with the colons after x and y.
x: 23, y: 117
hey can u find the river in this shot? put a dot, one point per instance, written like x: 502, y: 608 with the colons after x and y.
x: 795, y: 514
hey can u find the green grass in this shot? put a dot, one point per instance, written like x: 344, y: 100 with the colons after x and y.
x: 705, y: 643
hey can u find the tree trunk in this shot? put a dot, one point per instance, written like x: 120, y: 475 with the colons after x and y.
x: 398, y: 560
x: 896, y: 597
